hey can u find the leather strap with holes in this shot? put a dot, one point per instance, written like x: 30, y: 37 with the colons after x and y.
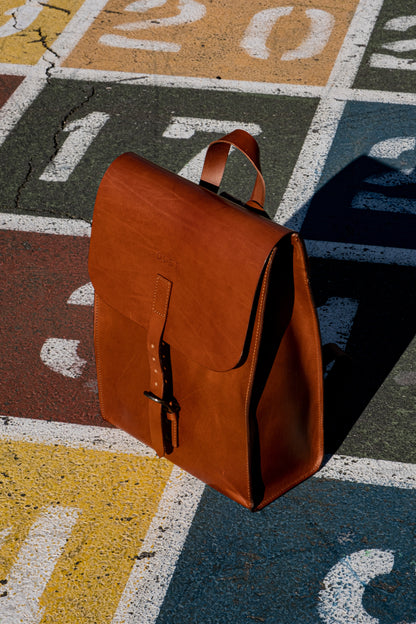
x: 157, y: 323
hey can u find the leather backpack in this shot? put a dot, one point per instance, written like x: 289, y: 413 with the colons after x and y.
x: 206, y: 337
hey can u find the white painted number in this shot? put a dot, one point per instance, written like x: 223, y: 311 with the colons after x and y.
x: 258, y: 31
x: 341, y: 600
x: 34, y: 565
x: 21, y: 17
x: 82, y: 133
x: 84, y: 295
x: 186, y: 127
x: 397, y: 152
x: 189, y: 11
x: 390, y: 61
x: 61, y: 354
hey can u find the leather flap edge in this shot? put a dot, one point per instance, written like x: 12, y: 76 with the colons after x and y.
x: 149, y: 221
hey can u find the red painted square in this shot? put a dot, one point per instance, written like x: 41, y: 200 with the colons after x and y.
x: 8, y: 84
x: 39, y: 274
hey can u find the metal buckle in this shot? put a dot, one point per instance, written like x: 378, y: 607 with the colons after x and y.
x: 172, y: 406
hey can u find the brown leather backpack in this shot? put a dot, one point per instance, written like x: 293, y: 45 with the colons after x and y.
x: 206, y: 336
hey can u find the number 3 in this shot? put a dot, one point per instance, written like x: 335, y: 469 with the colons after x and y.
x: 389, y: 61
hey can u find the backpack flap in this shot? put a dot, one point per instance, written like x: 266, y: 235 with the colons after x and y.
x: 149, y: 222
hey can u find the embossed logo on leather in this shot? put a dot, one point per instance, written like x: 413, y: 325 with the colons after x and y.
x: 165, y: 259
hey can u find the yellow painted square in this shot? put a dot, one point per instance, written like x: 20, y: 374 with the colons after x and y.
x: 255, y: 40
x: 117, y: 496
x: 27, y: 30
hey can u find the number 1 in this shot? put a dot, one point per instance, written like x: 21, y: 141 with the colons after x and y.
x: 82, y: 133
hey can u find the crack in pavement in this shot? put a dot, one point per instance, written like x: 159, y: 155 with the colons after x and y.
x: 53, y: 6
x: 65, y: 120
x: 43, y: 40
x: 22, y: 186
x: 56, y: 147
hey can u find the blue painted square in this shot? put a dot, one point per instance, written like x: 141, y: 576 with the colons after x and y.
x: 238, y: 567
x: 367, y: 191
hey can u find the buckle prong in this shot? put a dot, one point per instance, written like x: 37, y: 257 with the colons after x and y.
x: 172, y: 406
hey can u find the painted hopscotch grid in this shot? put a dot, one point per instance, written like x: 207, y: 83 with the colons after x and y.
x: 333, y: 97
x: 305, y: 176
x: 150, y: 575
x: 165, y: 505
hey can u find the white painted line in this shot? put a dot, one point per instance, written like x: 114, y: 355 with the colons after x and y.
x: 213, y: 84
x: 187, y: 82
x: 378, y: 97
x: 34, y: 565
x: 15, y: 69
x: 18, y: 102
x: 311, y: 161
x: 186, y: 127
x: 339, y: 467
x: 145, y: 590
x: 308, y: 169
x: 316, y: 249
x: 367, y: 471
x: 76, y: 28
x: 44, y: 225
x: 71, y: 435
x: 149, y: 580
x: 355, y: 44
x: 361, y: 253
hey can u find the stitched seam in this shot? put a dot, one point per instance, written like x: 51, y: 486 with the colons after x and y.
x: 167, y: 293
x: 317, y: 463
x: 318, y: 360
x: 253, y: 366
x: 98, y: 357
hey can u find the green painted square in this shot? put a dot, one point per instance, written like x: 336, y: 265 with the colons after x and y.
x: 389, y: 63
x: 98, y: 122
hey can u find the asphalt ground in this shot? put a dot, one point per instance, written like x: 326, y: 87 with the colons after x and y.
x: 93, y: 527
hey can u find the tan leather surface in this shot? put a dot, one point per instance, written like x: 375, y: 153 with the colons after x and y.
x: 290, y: 408
x: 225, y: 294
x: 149, y: 221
